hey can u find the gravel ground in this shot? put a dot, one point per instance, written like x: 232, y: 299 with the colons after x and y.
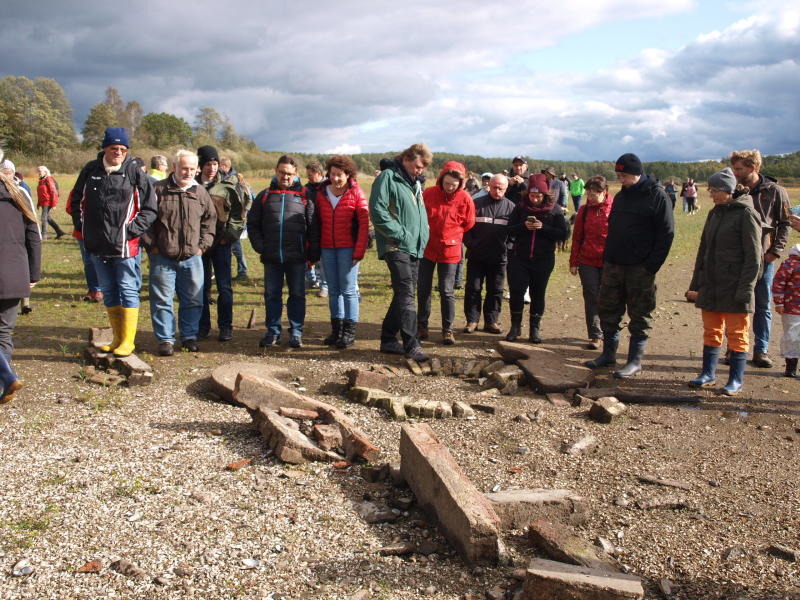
x: 139, y: 474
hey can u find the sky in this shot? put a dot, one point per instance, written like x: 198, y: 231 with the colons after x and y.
x: 567, y: 80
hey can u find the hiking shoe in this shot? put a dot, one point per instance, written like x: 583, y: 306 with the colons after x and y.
x: 492, y: 328
x: 762, y: 360
x: 593, y: 344
x: 225, y: 334
x: 166, y: 349
x: 448, y: 339
x: 471, y: 327
x: 417, y: 354
x: 190, y: 345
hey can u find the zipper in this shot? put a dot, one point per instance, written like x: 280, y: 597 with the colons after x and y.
x: 280, y: 229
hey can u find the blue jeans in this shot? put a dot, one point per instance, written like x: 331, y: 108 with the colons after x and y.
x: 342, y: 282
x: 316, y: 273
x: 218, y: 258
x: 274, y: 274
x: 168, y: 276
x: 88, y: 269
x: 762, y: 316
x: 7, y: 375
x: 576, y: 202
x: 120, y: 280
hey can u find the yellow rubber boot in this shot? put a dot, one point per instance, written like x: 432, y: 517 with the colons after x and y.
x: 130, y: 318
x: 115, y: 318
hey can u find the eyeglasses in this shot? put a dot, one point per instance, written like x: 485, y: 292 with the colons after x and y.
x: 117, y: 149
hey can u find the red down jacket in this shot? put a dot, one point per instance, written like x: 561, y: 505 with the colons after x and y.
x: 347, y: 225
x: 449, y: 217
x: 589, y: 234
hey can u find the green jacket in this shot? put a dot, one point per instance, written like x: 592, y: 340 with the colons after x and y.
x: 398, y: 214
x: 729, y: 258
x: 576, y: 187
x: 230, y: 219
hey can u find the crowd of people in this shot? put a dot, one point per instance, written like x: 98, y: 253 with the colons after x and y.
x: 191, y: 217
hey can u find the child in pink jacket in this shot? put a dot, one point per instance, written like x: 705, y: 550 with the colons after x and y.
x: 786, y: 295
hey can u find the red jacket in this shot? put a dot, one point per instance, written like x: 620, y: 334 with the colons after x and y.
x: 346, y: 226
x: 786, y: 284
x: 47, y: 192
x: 448, y: 217
x: 589, y: 234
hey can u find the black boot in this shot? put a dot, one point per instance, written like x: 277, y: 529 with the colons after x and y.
x: 516, y: 327
x: 791, y: 368
x: 348, y: 335
x: 635, y: 353
x: 533, y: 337
x: 609, y: 354
x: 336, y: 332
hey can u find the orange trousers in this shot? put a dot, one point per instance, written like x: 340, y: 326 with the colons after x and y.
x: 735, y: 325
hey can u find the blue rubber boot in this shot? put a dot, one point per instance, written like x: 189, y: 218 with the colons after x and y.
x: 633, y: 367
x: 609, y: 355
x: 708, y: 376
x: 736, y: 375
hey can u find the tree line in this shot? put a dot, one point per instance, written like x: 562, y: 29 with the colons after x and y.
x: 36, y: 126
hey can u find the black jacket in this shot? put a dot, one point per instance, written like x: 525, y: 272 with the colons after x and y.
x: 112, y: 210
x: 20, y: 250
x: 527, y: 247
x: 283, y: 226
x: 640, y: 226
x: 486, y: 242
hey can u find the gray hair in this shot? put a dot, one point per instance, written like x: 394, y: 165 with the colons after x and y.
x: 45, y: 169
x: 156, y: 160
x: 181, y: 153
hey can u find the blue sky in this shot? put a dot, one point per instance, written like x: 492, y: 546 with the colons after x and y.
x: 668, y: 79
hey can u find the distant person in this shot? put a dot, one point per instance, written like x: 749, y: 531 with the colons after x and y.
x: 217, y: 259
x: 451, y: 213
x: 398, y: 214
x: 315, y: 273
x: 343, y: 215
x: 535, y: 226
x: 786, y: 293
x: 93, y: 293
x: 20, y: 263
x: 690, y: 193
x: 472, y: 186
x: 589, y: 235
x: 47, y: 194
x: 577, y: 188
x: 113, y: 206
x: 183, y: 230
x: 487, y: 256
x: 247, y: 196
x: 723, y: 283
x: 518, y: 180
x: 284, y: 230
x: 158, y: 167
x: 485, y: 179
x: 772, y: 203
x: 557, y: 189
x: 672, y: 191
x: 640, y: 233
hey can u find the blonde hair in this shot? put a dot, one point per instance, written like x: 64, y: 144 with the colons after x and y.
x: 414, y: 152
x: 750, y: 158
x: 45, y: 169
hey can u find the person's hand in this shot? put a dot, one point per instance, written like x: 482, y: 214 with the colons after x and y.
x: 779, y: 309
x: 573, y: 270
x: 530, y: 225
x: 356, y: 261
x: 691, y: 296
x: 769, y: 257
x: 794, y: 221
x: 199, y: 253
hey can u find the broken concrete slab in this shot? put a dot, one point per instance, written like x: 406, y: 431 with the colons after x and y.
x: 462, y: 409
x: 367, y: 379
x: 559, y: 542
x: 519, y: 508
x: 584, y: 443
x: 288, y: 444
x: 641, y: 396
x: 465, y: 516
x: 328, y: 437
x: 368, y: 396
x: 606, y: 410
x: 513, y: 351
x: 223, y: 377
x: 559, y: 400
x: 548, y: 371
x: 548, y: 580
x: 492, y: 367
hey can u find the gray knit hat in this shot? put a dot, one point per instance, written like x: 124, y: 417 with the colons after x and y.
x: 724, y: 180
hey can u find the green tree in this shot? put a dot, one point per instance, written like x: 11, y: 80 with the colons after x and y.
x: 163, y: 129
x: 100, y: 116
x: 132, y: 117
x: 35, y: 116
x: 116, y: 103
x: 207, y: 124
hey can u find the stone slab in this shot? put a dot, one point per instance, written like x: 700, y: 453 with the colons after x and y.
x: 465, y: 516
x: 223, y: 377
x: 559, y: 542
x: 519, y: 508
x: 549, y: 580
x: 367, y: 379
x: 606, y: 409
x: 288, y: 444
x: 548, y: 371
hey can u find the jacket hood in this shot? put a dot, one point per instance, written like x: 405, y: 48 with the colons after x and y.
x: 453, y: 165
x: 795, y: 250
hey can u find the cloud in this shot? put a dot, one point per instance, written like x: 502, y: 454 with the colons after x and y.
x: 359, y: 75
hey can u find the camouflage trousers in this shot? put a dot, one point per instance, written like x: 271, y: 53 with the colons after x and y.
x: 631, y: 288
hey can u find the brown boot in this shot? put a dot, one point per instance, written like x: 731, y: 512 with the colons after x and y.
x: 448, y: 339
x: 492, y: 328
x: 471, y: 327
x: 422, y: 331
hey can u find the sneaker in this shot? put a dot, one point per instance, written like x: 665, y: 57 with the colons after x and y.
x: 225, y: 334
x: 269, y: 340
x: 166, y: 349
x: 417, y: 354
x: 470, y: 328
x: 760, y: 360
x: 190, y: 345
x: 392, y: 347
x: 323, y: 292
x: 295, y: 342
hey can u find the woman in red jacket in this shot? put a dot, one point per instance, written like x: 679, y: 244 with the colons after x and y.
x: 47, y: 193
x: 451, y: 213
x: 344, y: 223
x: 588, y: 243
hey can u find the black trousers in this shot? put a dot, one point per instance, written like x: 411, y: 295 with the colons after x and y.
x: 533, y: 274
x: 402, y: 313
x: 494, y: 275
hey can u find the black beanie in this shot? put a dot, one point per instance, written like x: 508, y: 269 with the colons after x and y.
x: 629, y: 163
x: 206, y: 154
